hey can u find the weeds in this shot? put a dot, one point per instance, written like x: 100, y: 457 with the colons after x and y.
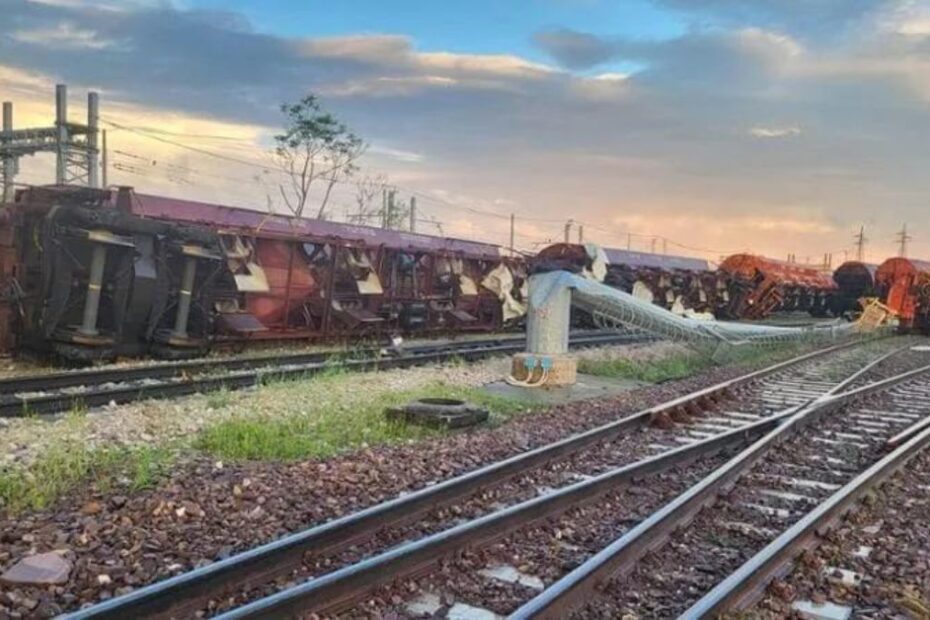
x: 68, y: 464
x: 681, y: 365
x: 315, y: 427
x: 219, y: 399
x: 651, y: 371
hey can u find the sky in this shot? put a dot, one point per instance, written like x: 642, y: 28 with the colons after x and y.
x: 772, y: 126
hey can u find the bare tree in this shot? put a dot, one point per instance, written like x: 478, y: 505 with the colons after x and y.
x: 369, y: 190
x: 315, y: 147
x: 398, y: 213
x: 377, y: 200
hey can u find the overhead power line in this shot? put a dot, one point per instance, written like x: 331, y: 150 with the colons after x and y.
x: 159, y: 135
x: 195, y: 149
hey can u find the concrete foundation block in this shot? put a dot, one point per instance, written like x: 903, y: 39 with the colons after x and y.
x: 561, y: 370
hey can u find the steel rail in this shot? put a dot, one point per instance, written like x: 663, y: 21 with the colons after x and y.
x: 340, y: 589
x: 21, y: 406
x: 163, y: 370
x: 746, y: 585
x: 621, y: 556
x: 279, y: 557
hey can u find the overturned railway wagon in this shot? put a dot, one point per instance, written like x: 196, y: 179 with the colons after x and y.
x: 759, y: 286
x: 904, y: 286
x: 668, y: 280
x: 672, y: 282
x: 854, y: 280
x: 94, y: 274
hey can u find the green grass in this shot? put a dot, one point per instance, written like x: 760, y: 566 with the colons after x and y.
x: 322, y: 430
x: 651, y: 371
x: 681, y: 365
x: 66, y: 465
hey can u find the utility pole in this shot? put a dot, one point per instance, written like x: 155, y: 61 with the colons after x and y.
x: 903, y: 238
x: 653, y: 250
x: 384, y: 208
x: 74, y: 144
x: 92, y: 153
x: 580, y: 234
x: 568, y: 231
x: 413, y: 214
x: 61, y: 131
x: 860, y: 244
x: 9, y: 162
x: 664, y: 245
x: 389, y: 219
x: 513, y: 229
x: 629, y: 241
x: 103, y: 159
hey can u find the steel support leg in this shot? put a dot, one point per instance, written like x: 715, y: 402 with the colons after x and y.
x: 184, y: 298
x: 92, y: 300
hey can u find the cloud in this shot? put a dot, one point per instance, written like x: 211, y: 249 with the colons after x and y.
x: 695, y: 57
x: 364, y: 48
x: 669, y: 142
x: 107, y: 5
x: 62, y: 36
x: 775, y: 132
x: 573, y: 49
x: 396, y: 154
x: 486, y: 64
x: 916, y: 27
x: 819, y: 19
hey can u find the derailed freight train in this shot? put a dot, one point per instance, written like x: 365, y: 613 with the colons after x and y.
x: 744, y: 287
x: 676, y: 283
x: 901, y: 284
x: 94, y: 274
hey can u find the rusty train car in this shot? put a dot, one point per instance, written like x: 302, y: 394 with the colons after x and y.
x: 94, y: 274
x: 903, y: 284
x: 759, y: 286
x: 672, y: 282
x: 743, y: 287
x: 854, y: 280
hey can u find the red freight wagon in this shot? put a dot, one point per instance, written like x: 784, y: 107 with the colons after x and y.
x: 759, y: 286
x: 904, y: 286
x: 98, y: 273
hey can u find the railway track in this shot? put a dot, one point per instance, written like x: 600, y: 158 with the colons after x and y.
x: 339, y: 563
x: 57, y: 392
x: 714, y: 548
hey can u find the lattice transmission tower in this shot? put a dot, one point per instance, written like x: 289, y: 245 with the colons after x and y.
x: 74, y: 144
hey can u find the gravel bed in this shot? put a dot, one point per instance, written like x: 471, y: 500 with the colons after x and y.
x: 885, y: 542
x: 147, y: 422
x: 11, y: 367
x: 208, y: 510
x: 598, y: 459
x: 545, y: 551
x: 624, y: 450
x: 760, y: 506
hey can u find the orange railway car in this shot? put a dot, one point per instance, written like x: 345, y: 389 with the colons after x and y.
x: 759, y: 286
x: 904, y: 286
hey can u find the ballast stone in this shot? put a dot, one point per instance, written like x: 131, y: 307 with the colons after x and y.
x: 41, y: 569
